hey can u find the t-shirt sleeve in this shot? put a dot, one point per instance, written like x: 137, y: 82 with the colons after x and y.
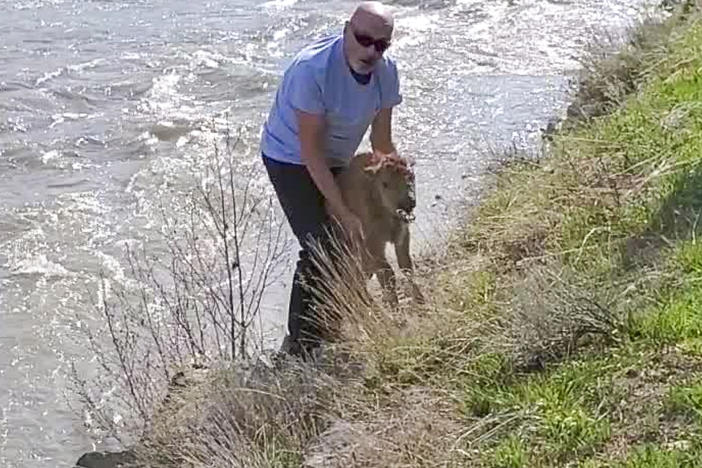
x: 303, y: 91
x: 390, y: 87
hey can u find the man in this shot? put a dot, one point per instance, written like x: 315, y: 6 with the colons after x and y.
x: 331, y: 93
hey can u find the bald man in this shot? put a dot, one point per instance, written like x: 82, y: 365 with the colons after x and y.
x: 329, y: 95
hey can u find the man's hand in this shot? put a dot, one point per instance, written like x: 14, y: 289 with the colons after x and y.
x: 382, y: 154
x: 349, y: 223
x: 352, y: 226
x: 311, y: 131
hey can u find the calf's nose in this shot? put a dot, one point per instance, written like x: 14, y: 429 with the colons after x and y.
x: 408, y: 204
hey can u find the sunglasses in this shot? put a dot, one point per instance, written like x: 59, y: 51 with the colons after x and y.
x: 381, y: 45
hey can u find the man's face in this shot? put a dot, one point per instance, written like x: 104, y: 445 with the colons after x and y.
x: 365, y: 41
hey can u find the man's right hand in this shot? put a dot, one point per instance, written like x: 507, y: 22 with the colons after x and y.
x: 311, y: 129
x: 352, y: 226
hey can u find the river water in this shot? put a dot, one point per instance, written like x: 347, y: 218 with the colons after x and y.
x: 105, y: 105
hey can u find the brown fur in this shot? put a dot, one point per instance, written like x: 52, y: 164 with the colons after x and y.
x: 374, y: 189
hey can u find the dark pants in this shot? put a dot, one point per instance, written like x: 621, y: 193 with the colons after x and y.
x: 303, y: 205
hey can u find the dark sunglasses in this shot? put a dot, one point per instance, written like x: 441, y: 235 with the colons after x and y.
x: 381, y: 45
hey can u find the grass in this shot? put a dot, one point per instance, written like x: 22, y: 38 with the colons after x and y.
x: 686, y: 399
x: 651, y: 456
x: 559, y: 414
x: 565, y: 327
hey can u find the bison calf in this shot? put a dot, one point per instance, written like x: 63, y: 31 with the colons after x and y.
x: 380, y: 190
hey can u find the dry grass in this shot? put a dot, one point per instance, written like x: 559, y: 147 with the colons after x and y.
x: 614, y: 69
x: 262, y: 418
x: 413, y: 427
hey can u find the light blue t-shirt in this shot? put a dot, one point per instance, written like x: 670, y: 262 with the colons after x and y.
x: 319, y: 81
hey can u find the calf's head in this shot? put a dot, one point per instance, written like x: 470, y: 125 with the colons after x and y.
x: 393, y: 184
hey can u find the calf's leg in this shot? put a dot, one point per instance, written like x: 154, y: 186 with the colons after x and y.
x: 402, y: 250
x: 386, y: 277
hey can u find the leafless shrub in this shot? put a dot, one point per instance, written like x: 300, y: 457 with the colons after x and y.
x: 196, y: 304
x: 551, y: 312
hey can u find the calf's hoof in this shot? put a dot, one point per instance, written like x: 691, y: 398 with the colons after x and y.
x: 390, y: 299
x: 417, y: 295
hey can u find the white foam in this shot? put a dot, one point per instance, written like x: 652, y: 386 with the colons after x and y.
x: 278, y: 3
x: 61, y: 118
x: 129, y: 55
x: 166, y: 102
x: 39, y: 265
x: 85, y: 65
x: 84, y: 202
x: 148, y: 138
x: 205, y: 58
x: 165, y: 85
x: 112, y: 265
x: 418, y: 23
x: 49, y: 76
x: 50, y: 156
x: 281, y: 33
x: 414, y: 30
x: 73, y: 115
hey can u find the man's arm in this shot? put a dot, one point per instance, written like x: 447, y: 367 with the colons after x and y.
x: 311, y: 128
x: 381, y: 132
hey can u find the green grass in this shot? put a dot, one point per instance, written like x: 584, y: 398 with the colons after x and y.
x: 686, y: 400
x: 628, y: 192
x: 652, y: 456
x: 559, y: 415
x: 512, y: 452
x: 677, y: 319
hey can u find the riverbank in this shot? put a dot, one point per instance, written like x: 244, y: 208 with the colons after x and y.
x: 565, y: 324
x: 574, y: 324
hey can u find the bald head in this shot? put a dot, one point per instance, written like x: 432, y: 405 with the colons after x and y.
x: 367, y: 35
x: 373, y: 14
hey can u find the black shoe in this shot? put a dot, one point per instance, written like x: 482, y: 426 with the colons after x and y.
x: 307, y: 350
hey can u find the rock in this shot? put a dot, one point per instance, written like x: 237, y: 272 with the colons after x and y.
x: 336, y: 446
x: 184, y: 389
x: 106, y: 459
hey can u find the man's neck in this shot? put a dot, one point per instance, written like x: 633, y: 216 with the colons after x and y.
x: 360, y: 78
